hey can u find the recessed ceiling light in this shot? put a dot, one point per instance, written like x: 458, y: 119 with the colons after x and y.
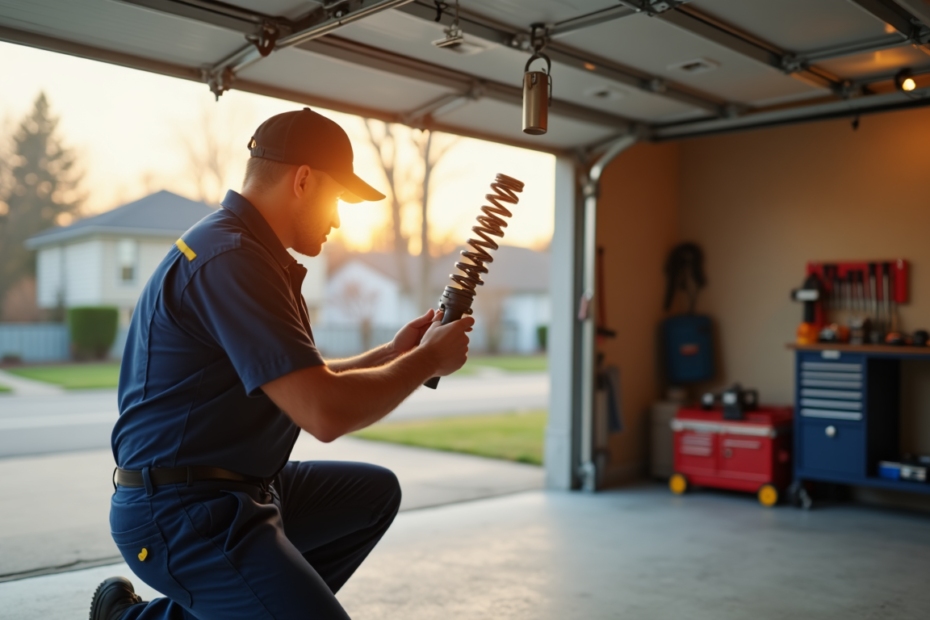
x: 695, y: 66
x: 460, y: 45
x: 605, y: 93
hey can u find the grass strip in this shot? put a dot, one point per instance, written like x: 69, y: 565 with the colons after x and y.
x: 509, y: 363
x: 73, y: 376
x: 4, y: 389
x: 508, y: 436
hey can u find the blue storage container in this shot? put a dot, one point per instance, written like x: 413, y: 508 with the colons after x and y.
x: 689, y: 348
x: 889, y: 470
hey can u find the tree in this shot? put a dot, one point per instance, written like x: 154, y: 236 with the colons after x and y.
x: 213, y: 151
x: 391, y: 143
x: 385, y: 144
x: 40, y: 189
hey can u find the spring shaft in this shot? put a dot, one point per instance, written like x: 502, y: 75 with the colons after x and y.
x: 492, y: 224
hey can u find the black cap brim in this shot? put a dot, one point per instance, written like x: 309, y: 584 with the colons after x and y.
x: 357, y: 190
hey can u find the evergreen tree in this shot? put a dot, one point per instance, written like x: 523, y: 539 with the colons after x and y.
x: 39, y: 190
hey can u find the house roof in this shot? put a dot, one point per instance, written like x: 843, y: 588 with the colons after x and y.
x: 162, y: 214
x: 514, y: 269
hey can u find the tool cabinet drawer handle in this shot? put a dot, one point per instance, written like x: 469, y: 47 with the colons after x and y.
x: 830, y: 431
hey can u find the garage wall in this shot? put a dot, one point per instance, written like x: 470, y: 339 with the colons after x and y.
x: 763, y: 203
x: 637, y: 226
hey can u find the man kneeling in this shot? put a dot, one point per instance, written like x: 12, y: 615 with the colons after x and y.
x: 219, y: 376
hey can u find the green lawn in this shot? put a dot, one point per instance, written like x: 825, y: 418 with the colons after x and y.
x: 73, y: 376
x: 106, y: 374
x: 4, y: 388
x: 510, y: 363
x: 510, y: 436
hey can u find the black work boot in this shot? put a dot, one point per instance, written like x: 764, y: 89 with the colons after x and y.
x: 113, y: 598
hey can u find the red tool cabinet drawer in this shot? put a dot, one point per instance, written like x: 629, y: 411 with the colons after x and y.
x: 832, y: 446
x: 742, y: 454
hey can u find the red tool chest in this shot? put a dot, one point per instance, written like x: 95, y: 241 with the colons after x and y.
x: 752, y: 454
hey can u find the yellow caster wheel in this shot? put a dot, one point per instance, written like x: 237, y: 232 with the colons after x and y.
x: 678, y: 484
x: 768, y: 495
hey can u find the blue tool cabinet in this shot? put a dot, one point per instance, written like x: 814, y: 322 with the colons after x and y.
x: 847, y: 415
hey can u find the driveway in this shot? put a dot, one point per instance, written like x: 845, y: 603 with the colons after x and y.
x: 59, y: 421
x: 57, y: 465
x: 55, y: 516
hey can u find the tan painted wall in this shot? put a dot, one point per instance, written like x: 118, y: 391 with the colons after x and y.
x: 637, y: 226
x: 763, y: 203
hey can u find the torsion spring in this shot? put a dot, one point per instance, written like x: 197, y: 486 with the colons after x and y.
x: 456, y: 300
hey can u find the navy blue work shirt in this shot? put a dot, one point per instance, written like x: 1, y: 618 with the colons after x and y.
x: 221, y: 316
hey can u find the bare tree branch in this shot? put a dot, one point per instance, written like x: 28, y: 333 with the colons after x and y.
x: 386, y: 147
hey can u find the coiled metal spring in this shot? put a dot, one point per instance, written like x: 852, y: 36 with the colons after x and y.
x: 492, y: 225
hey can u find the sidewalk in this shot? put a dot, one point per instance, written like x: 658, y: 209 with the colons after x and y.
x: 27, y: 387
x: 55, y: 511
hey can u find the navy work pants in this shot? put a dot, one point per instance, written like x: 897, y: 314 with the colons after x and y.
x: 232, y: 550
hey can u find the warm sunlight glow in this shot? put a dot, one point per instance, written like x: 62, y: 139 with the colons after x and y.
x: 135, y: 133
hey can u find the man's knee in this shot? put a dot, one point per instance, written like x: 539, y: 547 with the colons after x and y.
x: 389, y: 488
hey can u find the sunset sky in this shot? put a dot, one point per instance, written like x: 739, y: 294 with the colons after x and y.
x: 129, y: 129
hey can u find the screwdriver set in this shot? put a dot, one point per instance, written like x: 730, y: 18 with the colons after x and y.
x: 866, y: 293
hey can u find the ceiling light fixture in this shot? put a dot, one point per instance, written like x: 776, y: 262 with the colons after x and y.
x: 454, y: 35
x: 904, y: 81
x: 694, y: 66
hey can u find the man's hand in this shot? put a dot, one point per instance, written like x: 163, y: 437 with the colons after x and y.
x: 447, y: 344
x: 328, y: 404
x: 410, y: 334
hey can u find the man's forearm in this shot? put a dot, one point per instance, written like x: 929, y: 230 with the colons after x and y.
x: 378, y: 356
x: 361, y: 397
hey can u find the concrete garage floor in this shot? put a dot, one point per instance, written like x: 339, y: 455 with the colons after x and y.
x: 635, y: 553
x: 55, y: 515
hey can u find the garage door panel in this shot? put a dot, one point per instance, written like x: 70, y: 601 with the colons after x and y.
x: 500, y: 118
x: 331, y: 78
x: 121, y: 27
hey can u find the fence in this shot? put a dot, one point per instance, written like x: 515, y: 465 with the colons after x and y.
x: 346, y: 340
x: 49, y: 342
x: 44, y: 342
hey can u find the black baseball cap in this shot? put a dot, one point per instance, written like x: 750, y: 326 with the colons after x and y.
x: 305, y: 137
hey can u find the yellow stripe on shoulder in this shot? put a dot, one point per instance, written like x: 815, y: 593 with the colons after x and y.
x: 185, y: 250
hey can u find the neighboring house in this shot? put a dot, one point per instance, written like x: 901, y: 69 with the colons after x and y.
x: 105, y: 260
x: 510, y: 307
x: 314, y: 286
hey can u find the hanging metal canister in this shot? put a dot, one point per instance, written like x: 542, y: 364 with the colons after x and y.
x: 537, y: 97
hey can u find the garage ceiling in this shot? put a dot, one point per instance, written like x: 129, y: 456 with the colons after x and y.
x: 659, y: 68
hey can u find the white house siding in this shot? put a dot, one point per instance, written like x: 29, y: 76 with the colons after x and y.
x: 314, y: 286
x: 357, y: 292
x: 48, y: 277
x: 526, y: 311
x: 150, y: 252
x: 83, y: 266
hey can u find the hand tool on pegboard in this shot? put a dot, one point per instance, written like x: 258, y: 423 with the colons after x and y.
x: 811, y: 294
x: 864, y: 294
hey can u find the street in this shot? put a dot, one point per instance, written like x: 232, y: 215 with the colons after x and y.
x: 82, y: 420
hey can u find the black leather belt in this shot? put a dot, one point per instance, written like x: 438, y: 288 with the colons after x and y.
x: 182, y: 475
